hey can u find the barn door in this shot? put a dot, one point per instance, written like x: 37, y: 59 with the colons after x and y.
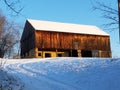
x: 86, y: 53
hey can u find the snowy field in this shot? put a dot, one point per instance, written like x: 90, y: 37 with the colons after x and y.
x: 65, y: 73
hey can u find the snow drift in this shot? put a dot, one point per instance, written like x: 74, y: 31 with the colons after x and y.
x: 66, y: 73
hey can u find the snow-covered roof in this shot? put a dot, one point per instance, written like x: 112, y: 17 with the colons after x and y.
x: 65, y: 27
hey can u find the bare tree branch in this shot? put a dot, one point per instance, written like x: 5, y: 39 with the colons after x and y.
x: 9, y: 37
x: 108, y: 13
x: 113, y: 18
x: 103, y: 7
x: 12, y: 7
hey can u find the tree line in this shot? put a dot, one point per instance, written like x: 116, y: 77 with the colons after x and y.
x: 9, y: 36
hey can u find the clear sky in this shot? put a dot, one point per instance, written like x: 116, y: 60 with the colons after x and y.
x: 68, y: 11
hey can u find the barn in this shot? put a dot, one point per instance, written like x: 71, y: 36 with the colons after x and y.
x: 41, y: 39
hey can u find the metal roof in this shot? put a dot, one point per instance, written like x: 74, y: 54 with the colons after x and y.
x: 66, y: 27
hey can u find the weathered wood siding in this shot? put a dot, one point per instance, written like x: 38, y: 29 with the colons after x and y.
x: 59, y: 40
x: 36, y: 43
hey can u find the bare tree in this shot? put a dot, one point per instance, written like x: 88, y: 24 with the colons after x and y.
x: 108, y: 13
x: 9, y: 36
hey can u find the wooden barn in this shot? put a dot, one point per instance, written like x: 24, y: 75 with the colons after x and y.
x: 41, y: 39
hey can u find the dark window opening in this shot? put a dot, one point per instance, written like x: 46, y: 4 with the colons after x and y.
x: 59, y: 55
x: 39, y: 54
x: 86, y: 53
x: 47, y: 54
x: 74, y: 53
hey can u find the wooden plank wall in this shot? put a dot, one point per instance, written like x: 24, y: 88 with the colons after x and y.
x: 59, y: 40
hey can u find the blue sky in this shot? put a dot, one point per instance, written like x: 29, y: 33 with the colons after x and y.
x: 68, y: 11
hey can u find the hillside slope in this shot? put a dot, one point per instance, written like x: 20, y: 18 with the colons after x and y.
x: 66, y: 73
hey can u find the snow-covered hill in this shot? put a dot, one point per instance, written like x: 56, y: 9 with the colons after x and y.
x: 66, y: 73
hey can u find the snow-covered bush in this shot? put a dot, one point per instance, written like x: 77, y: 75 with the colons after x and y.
x: 2, y: 63
x: 7, y: 82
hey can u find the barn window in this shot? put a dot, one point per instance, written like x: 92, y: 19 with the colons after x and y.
x: 95, y: 53
x: 75, y: 44
x: 59, y: 55
x: 39, y: 54
x: 47, y: 54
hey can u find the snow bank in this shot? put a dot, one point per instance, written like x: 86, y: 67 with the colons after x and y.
x: 66, y: 73
x: 8, y: 82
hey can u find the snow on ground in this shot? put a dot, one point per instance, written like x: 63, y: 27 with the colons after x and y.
x: 66, y: 73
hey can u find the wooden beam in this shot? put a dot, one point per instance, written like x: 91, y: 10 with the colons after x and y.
x: 56, y: 53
